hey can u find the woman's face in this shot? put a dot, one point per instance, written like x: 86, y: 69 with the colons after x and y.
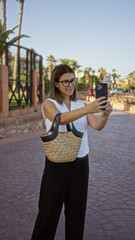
x: 65, y: 89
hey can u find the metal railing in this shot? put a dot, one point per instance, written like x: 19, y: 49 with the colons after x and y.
x: 20, y: 81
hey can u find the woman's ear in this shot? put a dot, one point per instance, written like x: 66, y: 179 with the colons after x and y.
x: 56, y: 84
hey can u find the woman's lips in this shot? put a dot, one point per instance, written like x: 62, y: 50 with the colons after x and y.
x: 70, y: 89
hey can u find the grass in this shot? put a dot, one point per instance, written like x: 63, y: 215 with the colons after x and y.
x: 14, y: 105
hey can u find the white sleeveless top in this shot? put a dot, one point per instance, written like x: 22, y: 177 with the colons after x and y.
x: 81, y: 124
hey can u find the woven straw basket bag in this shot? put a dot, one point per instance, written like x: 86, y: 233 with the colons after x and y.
x: 61, y: 147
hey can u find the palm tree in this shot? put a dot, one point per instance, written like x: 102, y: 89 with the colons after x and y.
x: 131, y: 79
x: 3, y: 3
x: 114, y: 75
x: 94, y: 79
x: 87, y: 74
x: 102, y: 73
x: 51, y: 60
x: 64, y: 61
x: 4, y: 35
x: 93, y: 72
x: 74, y: 65
x: 21, y: 5
x: 119, y: 83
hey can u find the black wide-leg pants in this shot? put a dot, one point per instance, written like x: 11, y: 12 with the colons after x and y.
x: 62, y: 183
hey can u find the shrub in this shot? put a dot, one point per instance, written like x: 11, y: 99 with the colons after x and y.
x: 81, y: 86
x: 47, y: 85
x: 82, y: 80
x: 125, y: 86
x: 133, y: 86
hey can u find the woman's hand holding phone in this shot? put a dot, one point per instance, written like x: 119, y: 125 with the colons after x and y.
x: 96, y: 106
x: 107, y: 110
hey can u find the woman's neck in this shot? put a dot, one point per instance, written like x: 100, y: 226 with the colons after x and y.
x: 67, y: 102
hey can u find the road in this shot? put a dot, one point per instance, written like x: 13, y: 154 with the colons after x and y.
x: 110, y: 213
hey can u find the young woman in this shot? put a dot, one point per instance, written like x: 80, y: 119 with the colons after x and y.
x: 67, y: 182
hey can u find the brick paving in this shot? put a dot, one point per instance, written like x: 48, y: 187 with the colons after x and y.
x: 110, y: 211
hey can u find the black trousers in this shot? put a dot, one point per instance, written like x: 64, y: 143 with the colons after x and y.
x: 62, y: 183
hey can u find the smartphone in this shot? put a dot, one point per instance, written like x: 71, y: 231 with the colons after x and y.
x: 102, y: 91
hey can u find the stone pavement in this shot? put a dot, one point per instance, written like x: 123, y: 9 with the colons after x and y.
x: 110, y: 211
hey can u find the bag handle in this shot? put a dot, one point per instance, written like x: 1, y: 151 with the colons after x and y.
x: 57, y: 119
x: 55, y: 130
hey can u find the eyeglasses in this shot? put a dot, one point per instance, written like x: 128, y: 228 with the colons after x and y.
x: 66, y: 83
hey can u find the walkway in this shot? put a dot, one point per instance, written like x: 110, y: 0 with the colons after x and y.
x: 111, y: 198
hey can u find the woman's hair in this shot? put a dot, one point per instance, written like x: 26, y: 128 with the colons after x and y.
x: 57, y: 72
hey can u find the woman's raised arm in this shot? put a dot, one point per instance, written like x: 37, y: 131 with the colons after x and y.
x: 50, y: 110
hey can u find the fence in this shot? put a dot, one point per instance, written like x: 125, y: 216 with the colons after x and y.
x: 21, y: 78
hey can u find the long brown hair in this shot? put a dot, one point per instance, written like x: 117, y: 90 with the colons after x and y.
x: 57, y: 72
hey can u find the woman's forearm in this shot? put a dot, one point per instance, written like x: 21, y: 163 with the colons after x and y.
x: 73, y: 115
x: 78, y: 113
x: 50, y: 111
x: 101, y: 122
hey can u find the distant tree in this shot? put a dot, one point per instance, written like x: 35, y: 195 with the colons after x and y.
x: 125, y: 86
x: 114, y: 75
x: 102, y: 73
x: 92, y: 78
x: 87, y: 74
x: 93, y: 72
x: 94, y: 81
x: 131, y: 80
x: 118, y: 76
x: 72, y: 63
x: 21, y: 5
x: 51, y: 62
x: 82, y: 80
x: 64, y: 61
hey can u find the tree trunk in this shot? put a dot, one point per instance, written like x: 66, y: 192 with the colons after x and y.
x: 87, y: 77
x: 17, y: 43
x: 101, y: 77
x: 113, y: 84
x: 129, y: 85
x: 49, y: 70
x: 3, y: 2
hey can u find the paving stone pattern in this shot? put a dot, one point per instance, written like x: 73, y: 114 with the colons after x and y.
x: 110, y: 211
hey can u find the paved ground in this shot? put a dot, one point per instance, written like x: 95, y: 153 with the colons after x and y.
x: 111, y: 198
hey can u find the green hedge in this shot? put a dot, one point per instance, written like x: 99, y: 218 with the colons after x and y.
x: 82, y: 80
x: 82, y: 86
x: 133, y: 86
x: 47, y: 85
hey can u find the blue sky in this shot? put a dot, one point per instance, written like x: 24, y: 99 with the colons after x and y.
x: 96, y: 33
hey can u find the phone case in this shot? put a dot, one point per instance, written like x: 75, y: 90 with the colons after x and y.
x: 101, y: 91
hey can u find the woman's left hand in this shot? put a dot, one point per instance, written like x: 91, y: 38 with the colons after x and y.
x: 108, y: 109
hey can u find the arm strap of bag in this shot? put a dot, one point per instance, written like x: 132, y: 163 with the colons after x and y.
x: 54, y: 130
x: 74, y: 130
x: 57, y: 117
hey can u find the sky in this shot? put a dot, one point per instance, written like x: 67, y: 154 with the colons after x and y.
x: 95, y: 33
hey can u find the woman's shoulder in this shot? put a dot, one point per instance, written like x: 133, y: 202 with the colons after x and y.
x: 51, y: 103
x: 50, y: 99
x: 48, y: 105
